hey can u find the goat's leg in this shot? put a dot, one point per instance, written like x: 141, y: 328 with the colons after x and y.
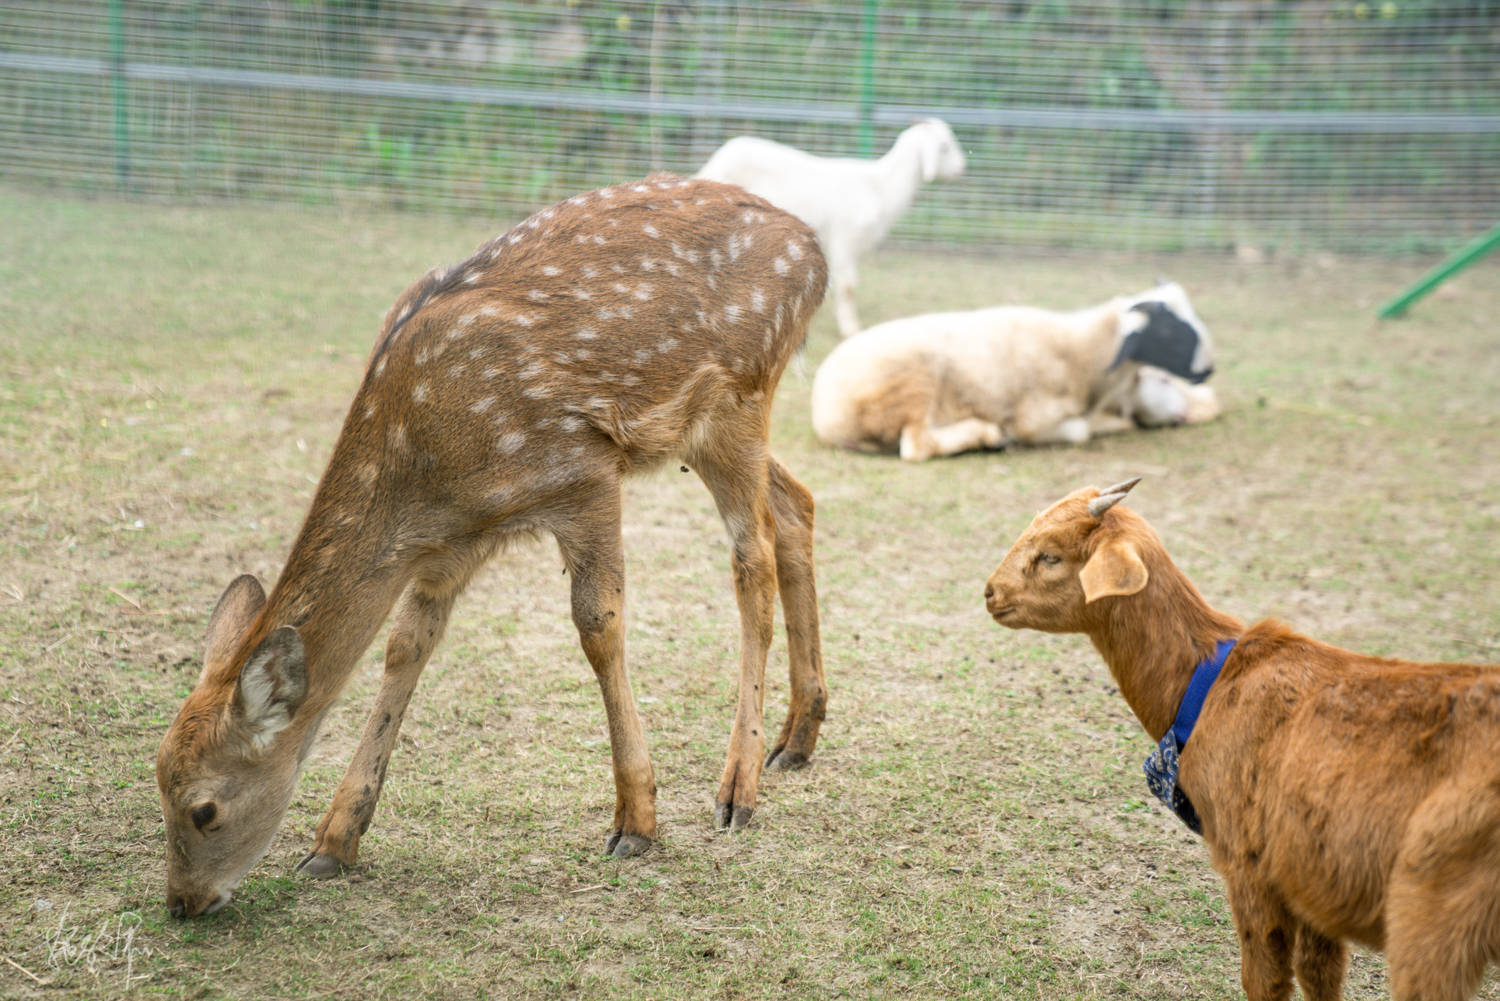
x: 1320, y: 964
x: 736, y: 473
x: 792, y: 510
x: 844, y: 275
x: 420, y: 618
x: 1439, y: 936
x: 594, y: 555
x: 1265, y: 943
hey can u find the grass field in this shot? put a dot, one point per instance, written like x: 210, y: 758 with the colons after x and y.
x: 974, y: 824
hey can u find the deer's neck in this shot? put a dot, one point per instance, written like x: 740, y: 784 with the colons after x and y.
x: 340, y: 580
x: 1153, y: 640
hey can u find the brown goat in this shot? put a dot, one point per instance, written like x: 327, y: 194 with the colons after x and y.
x: 507, y: 396
x: 1342, y: 797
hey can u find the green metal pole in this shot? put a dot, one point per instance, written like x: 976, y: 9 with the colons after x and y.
x: 867, y: 83
x: 1466, y: 256
x: 117, y: 73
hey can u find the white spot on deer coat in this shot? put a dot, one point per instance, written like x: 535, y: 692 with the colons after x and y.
x: 651, y: 231
x: 509, y: 442
x: 420, y: 392
x: 781, y: 266
x: 480, y: 406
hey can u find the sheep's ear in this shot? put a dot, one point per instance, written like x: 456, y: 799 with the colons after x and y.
x: 272, y: 685
x: 1114, y: 570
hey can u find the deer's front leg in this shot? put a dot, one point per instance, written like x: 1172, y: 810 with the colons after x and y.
x: 420, y: 620
x: 592, y: 549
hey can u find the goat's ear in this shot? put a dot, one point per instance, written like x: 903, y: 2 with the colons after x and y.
x: 928, y: 155
x: 272, y: 685
x: 1114, y: 570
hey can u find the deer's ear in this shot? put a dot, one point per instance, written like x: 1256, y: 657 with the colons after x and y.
x: 1114, y: 570
x: 241, y: 601
x: 272, y: 685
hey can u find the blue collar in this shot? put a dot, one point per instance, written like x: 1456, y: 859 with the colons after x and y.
x: 1161, y: 766
x: 1204, y: 675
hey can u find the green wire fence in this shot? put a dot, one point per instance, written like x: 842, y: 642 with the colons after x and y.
x: 1354, y: 126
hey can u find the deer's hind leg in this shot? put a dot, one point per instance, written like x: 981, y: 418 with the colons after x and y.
x: 593, y: 551
x: 792, y: 510
x: 421, y: 616
x: 736, y: 471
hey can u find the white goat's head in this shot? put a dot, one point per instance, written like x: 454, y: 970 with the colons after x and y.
x: 1159, y: 327
x: 938, y: 151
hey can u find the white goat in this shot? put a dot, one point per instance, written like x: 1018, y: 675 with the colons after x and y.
x: 851, y: 204
x: 943, y: 383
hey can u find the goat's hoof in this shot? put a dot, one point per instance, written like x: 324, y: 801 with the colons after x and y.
x: 729, y: 817
x: 786, y: 760
x: 622, y: 845
x: 315, y: 866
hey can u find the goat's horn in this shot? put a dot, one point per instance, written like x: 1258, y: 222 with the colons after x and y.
x: 1110, y: 496
x: 1122, y: 487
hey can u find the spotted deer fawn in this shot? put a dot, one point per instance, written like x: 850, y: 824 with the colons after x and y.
x: 507, y: 396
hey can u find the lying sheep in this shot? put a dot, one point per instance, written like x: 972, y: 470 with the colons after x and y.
x: 851, y: 204
x: 943, y: 383
x: 1161, y: 399
x: 1342, y: 797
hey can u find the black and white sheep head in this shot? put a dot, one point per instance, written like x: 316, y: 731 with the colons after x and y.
x: 938, y: 152
x: 1159, y: 327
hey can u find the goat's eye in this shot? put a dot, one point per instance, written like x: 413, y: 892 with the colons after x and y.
x: 1048, y: 559
x: 203, y: 814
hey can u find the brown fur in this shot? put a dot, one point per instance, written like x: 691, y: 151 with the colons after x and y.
x: 1343, y: 797
x: 508, y: 395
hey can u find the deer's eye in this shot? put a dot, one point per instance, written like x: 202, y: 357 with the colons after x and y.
x: 1048, y: 559
x: 203, y: 814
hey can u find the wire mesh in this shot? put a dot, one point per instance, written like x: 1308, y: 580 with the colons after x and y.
x: 1139, y: 124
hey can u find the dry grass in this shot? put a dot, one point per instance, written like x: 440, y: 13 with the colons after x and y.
x: 974, y: 824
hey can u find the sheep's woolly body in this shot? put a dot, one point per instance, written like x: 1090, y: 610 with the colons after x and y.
x: 1023, y: 370
x: 943, y: 383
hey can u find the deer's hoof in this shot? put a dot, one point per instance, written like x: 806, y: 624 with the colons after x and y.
x: 315, y: 866
x: 621, y: 845
x: 728, y: 817
x: 786, y: 760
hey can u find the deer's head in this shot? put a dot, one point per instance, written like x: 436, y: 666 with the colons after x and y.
x: 226, y: 768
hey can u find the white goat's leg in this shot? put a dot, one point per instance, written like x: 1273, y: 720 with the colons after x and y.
x: 844, y: 272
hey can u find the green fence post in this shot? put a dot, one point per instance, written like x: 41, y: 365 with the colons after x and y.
x: 867, y: 83
x: 117, y: 74
x: 1465, y: 256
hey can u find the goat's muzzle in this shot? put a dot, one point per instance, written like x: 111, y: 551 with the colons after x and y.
x: 995, y: 605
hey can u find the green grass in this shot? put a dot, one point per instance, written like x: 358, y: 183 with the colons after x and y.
x: 974, y: 824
